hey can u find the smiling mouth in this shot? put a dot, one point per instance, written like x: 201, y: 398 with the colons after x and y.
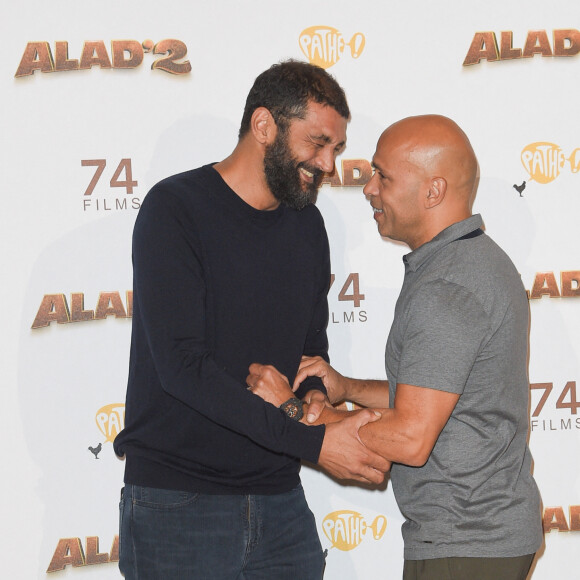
x: 308, y: 176
x: 377, y: 210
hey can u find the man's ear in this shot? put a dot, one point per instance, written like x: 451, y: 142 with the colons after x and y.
x: 436, y: 193
x: 263, y: 126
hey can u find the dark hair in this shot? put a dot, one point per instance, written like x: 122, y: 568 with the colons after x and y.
x: 286, y: 88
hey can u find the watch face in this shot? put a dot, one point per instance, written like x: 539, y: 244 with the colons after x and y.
x: 293, y: 408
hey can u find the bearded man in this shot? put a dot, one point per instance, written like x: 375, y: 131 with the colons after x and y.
x: 231, y: 266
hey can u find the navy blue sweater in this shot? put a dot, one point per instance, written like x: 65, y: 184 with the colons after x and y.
x: 218, y: 285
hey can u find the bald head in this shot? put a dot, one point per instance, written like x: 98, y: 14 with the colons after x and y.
x: 425, y: 175
x: 437, y: 147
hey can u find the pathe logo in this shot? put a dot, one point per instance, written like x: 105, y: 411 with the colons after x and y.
x: 125, y: 54
x: 545, y: 161
x: 346, y: 529
x: 110, y: 420
x: 324, y: 45
x: 566, y: 42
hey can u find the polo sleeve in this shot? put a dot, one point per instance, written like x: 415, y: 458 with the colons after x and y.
x: 446, y: 328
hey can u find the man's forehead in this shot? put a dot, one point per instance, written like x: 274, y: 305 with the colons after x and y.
x: 324, y: 120
x: 389, y: 150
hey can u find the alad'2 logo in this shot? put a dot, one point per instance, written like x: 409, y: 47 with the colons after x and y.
x: 346, y: 529
x: 125, y: 54
x: 324, y: 45
x: 545, y: 161
x: 110, y: 420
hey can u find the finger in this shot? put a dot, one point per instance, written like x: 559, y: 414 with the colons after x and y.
x: 252, y: 379
x: 315, y: 408
x: 308, y: 370
x: 377, y: 462
x: 255, y: 368
x: 374, y: 476
x: 366, y: 416
x: 381, y: 464
x: 307, y: 361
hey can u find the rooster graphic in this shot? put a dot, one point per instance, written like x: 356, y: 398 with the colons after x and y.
x: 96, y: 450
x: 520, y: 188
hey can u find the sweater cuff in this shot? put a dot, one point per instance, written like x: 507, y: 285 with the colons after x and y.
x: 304, y: 442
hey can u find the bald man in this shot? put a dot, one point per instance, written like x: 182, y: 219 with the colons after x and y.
x: 455, y: 406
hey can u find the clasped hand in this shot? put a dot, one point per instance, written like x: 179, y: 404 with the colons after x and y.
x: 343, y: 454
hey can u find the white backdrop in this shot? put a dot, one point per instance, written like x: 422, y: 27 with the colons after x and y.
x: 88, y: 126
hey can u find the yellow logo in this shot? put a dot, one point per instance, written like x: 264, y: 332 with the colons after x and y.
x: 544, y: 161
x: 346, y: 529
x: 324, y: 45
x: 110, y: 420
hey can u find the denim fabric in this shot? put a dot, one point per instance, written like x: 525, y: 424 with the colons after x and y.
x: 174, y: 535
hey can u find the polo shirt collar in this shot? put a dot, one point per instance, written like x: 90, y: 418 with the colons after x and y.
x: 418, y: 257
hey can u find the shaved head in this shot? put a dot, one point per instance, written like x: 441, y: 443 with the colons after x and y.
x: 436, y: 145
x: 425, y: 178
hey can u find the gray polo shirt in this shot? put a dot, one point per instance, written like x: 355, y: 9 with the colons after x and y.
x: 461, y: 326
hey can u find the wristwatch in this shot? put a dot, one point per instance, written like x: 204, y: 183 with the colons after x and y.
x: 293, y: 408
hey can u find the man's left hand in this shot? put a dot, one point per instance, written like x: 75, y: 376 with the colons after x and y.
x: 270, y: 384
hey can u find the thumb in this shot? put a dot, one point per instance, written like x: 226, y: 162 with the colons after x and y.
x: 315, y: 408
x: 367, y: 416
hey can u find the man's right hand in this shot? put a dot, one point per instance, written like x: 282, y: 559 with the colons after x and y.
x: 315, y: 366
x: 344, y: 455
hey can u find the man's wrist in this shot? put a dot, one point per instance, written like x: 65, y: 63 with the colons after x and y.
x: 293, y: 408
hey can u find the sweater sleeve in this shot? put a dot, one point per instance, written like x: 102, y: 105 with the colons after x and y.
x: 169, y: 298
x: 317, y: 341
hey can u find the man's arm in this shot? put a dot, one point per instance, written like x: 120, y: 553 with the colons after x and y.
x: 404, y: 434
x: 343, y: 454
x: 408, y: 432
x: 366, y: 393
x: 316, y: 342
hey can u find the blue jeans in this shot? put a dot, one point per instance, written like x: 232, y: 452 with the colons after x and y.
x: 173, y: 535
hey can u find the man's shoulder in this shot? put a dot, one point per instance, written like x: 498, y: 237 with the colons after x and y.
x: 308, y: 220
x: 188, y: 189
x: 476, y: 271
x: 185, y: 181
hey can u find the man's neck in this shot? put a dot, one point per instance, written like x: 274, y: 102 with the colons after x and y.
x: 244, y: 174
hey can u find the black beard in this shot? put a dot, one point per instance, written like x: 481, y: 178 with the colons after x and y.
x: 283, y: 176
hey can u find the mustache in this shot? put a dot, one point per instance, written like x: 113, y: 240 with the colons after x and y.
x: 316, y: 172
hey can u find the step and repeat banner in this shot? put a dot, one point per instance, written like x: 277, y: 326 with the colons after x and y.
x: 100, y: 101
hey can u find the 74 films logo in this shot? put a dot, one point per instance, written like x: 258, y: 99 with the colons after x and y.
x: 562, y: 414
x: 121, y: 178
x: 110, y: 421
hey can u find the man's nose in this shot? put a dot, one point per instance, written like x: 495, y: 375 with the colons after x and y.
x: 325, y: 160
x: 370, y: 189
